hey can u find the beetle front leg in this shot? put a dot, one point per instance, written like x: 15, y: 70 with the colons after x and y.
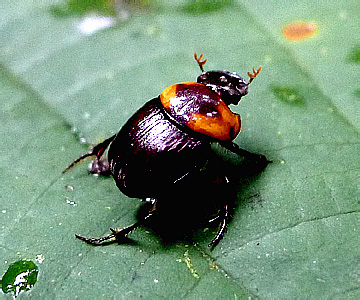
x: 258, y: 158
x: 119, y: 234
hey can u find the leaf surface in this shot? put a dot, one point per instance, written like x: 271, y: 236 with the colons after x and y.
x: 294, y: 233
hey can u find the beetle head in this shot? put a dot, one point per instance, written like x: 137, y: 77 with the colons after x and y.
x: 229, y: 86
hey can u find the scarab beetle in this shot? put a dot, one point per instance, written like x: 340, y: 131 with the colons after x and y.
x: 169, y: 139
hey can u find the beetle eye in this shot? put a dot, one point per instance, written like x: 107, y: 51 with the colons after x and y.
x: 202, y: 77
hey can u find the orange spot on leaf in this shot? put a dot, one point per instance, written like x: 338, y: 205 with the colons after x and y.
x: 299, y: 31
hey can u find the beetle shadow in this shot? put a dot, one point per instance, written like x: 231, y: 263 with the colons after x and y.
x: 186, y: 208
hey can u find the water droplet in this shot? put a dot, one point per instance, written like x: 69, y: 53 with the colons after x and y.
x: 70, y: 202
x: 91, y: 24
x: 40, y: 258
x: 343, y: 14
x: 70, y: 187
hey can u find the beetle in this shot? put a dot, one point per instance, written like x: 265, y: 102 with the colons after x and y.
x: 169, y: 139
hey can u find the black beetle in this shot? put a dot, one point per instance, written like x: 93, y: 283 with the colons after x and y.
x: 169, y: 138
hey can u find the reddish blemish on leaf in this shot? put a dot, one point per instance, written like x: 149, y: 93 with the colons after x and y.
x: 299, y: 31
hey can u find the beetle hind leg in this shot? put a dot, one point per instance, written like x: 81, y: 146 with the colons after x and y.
x: 119, y: 234
x: 98, y: 241
x: 99, y: 165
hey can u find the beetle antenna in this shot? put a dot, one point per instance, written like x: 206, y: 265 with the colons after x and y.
x: 198, y: 60
x: 253, y: 74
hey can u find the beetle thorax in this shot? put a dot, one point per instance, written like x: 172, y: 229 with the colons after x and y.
x: 196, y: 106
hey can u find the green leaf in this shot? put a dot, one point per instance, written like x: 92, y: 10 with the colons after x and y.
x: 20, y: 276
x: 65, y: 84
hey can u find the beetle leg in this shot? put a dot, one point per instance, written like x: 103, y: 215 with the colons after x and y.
x: 100, y: 166
x: 220, y: 234
x: 98, y: 150
x: 246, y: 154
x: 119, y: 234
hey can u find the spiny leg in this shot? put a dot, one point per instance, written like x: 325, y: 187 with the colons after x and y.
x: 98, y: 150
x: 119, y: 234
x: 224, y: 213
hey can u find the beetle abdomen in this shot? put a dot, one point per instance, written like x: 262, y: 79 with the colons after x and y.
x: 150, y: 153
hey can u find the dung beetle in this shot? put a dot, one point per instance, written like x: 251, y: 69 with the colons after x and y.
x: 169, y: 139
